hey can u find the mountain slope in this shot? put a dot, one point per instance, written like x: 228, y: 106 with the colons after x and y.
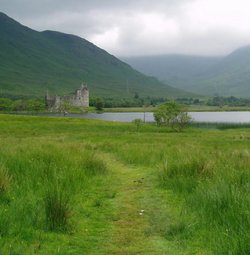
x: 178, y: 70
x: 32, y: 62
x: 227, y: 76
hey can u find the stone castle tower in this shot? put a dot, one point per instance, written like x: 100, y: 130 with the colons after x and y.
x: 79, y: 99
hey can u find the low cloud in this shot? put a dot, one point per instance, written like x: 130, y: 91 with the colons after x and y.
x: 142, y: 27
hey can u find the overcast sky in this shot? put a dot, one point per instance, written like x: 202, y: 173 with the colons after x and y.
x: 142, y: 27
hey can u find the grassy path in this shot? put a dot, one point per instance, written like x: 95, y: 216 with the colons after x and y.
x: 133, y: 204
x: 128, y: 234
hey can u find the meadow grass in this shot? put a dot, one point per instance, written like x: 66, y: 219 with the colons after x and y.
x: 77, y: 186
x: 221, y: 126
x: 214, y: 186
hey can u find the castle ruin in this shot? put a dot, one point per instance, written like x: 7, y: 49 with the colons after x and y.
x: 79, y: 99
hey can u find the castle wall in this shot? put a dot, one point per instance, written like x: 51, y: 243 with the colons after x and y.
x: 53, y: 102
x: 79, y: 99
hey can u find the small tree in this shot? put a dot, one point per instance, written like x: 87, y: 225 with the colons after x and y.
x: 136, y: 96
x: 35, y: 105
x: 5, y: 104
x: 172, y: 115
x: 99, y: 104
x: 19, y: 105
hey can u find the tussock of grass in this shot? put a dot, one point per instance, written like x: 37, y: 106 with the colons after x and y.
x: 4, y: 223
x: 93, y: 165
x: 176, y: 231
x: 46, y: 193
x: 57, y: 210
x: 217, y: 195
x: 193, y: 167
x: 183, y: 173
x: 5, y: 180
x: 222, y: 209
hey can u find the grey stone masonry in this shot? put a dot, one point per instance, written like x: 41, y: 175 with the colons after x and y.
x: 80, y: 99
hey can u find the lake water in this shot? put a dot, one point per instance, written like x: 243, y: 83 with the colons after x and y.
x: 220, y: 117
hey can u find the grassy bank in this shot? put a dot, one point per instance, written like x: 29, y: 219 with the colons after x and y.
x: 226, y: 108
x: 190, y: 108
x: 77, y: 186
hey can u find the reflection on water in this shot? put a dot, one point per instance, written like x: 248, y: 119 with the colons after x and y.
x: 220, y: 117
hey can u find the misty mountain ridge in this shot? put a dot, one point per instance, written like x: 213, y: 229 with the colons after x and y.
x: 32, y: 62
x: 223, y: 75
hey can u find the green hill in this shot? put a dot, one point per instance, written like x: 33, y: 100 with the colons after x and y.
x: 226, y: 76
x: 32, y: 62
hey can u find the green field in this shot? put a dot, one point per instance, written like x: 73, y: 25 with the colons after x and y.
x: 77, y: 186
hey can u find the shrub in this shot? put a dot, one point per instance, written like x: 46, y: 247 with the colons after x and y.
x: 138, y: 123
x: 172, y: 115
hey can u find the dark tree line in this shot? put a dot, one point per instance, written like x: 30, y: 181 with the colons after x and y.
x: 35, y: 104
x: 7, y: 104
x: 230, y: 101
